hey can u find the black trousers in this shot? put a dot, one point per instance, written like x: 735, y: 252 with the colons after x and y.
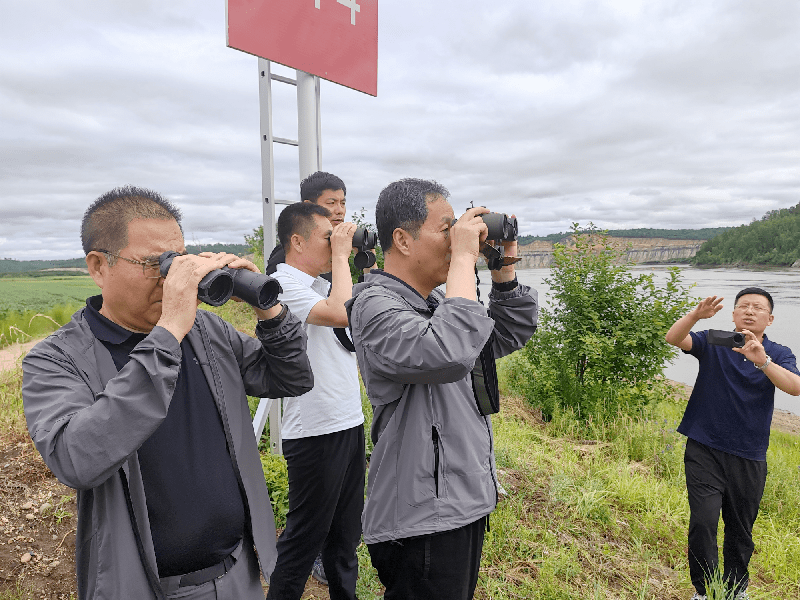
x: 440, y: 566
x: 717, y: 481
x: 326, y: 497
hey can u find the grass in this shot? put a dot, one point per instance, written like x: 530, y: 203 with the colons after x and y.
x: 597, y: 518
x: 606, y: 517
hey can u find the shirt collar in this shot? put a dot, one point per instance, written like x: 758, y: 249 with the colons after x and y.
x: 103, y: 328
x: 318, y: 284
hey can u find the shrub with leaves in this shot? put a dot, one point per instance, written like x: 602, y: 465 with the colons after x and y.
x: 600, y: 347
x: 277, y: 476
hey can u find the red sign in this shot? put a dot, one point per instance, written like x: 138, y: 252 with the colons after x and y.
x: 334, y: 39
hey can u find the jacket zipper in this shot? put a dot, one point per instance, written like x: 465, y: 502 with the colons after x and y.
x: 491, y: 467
x: 435, y: 437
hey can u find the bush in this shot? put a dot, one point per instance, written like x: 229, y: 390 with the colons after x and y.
x: 600, y: 348
x: 277, y: 478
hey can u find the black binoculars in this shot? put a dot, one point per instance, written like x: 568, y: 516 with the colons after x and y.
x: 729, y: 339
x: 364, y: 240
x: 219, y: 285
x: 501, y: 227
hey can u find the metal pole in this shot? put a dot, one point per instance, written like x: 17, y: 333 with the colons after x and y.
x: 267, y: 163
x: 308, y: 124
x: 268, y: 206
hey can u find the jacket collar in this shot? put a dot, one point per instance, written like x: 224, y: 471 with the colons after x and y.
x: 379, y: 277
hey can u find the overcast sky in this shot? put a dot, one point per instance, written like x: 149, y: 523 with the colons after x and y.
x: 651, y: 113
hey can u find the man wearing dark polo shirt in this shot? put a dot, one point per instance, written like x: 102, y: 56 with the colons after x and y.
x: 140, y: 403
x: 727, y: 421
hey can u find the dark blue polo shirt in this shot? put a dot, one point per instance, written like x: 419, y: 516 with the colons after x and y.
x: 731, y: 406
x: 194, y: 503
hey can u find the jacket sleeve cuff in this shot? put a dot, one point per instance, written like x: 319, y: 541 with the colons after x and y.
x: 497, y: 295
x: 164, y: 340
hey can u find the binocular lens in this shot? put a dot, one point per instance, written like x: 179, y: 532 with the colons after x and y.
x: 256, y: 289
x: 216, y: 288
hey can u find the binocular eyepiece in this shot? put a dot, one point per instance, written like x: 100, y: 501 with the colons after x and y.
x: 364, y: 240
x: 501, y: 227
x: 219, y: 285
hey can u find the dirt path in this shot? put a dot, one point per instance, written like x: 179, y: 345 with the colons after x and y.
x: 11, y: 355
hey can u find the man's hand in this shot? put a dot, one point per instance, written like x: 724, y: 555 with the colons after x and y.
x: 752, y: 350
x: 342, y: 240
x: 708, y: 308
x: 179, y: 297
x: 467, y: 234
x: 678, y: 334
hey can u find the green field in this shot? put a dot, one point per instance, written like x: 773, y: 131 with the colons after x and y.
x: 40, y: 294
x: 33, y: 307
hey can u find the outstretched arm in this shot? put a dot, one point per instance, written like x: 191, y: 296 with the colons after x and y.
x: 783, y: 378
x: 678, y: 334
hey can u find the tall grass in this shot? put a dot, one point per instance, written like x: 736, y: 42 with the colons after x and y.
x: 12, y: 419
x: 21, y: 327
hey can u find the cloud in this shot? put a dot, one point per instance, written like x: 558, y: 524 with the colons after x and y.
x: 623, y: 113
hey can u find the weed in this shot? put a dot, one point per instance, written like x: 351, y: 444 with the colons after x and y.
x: 60, y: 511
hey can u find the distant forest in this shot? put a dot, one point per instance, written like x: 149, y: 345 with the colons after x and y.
x: 9, y: 266
x: 670, y: 234
x: 773, y: 240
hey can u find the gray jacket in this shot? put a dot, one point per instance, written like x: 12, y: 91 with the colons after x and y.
x: 432, y: 468
x: 88, y: 421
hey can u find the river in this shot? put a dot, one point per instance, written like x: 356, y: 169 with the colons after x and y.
x: 782, y: 284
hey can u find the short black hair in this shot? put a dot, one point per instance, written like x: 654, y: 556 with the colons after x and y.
x: 105, y: 222
x: 311, y: 187
x: 298, y: 218
x: 404, y: 204
x: 755, y: 290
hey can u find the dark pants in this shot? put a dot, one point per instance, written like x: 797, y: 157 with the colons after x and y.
x: 326, y: 497
x: 717, y: 481
x: 440, y: 566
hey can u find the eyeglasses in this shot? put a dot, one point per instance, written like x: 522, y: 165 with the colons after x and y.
x: 150, y: 268
x: 757, y: 308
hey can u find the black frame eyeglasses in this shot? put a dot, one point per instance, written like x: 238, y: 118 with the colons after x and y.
x: 150, y: 269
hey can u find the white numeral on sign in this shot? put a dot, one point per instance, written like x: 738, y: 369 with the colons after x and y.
x: 354, y: 8
x: 351, y: 4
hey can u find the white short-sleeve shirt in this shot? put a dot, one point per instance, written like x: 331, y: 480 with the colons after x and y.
x: 334, y: 404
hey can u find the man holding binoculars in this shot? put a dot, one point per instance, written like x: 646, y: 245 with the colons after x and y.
x: 432, y: 479
x: 323, y: 430
x: 140, y: 403
x: 727, y: 423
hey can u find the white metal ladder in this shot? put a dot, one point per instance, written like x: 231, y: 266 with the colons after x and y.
x: 310, y: 153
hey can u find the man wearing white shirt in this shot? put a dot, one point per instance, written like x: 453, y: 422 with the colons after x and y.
x: 323, y: 430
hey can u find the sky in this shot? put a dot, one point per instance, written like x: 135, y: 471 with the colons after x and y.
x: 652, y: 113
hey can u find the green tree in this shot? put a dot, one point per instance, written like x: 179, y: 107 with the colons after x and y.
x: 256, y: 241
x: 600, y: 348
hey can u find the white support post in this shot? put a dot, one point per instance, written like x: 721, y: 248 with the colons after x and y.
x: 309, y: 142
x: 308, y: 124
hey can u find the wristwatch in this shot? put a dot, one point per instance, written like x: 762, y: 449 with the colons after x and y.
x: 765, y: 365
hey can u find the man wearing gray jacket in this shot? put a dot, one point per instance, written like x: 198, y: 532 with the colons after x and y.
x: 432, y: 480
x: 140, y: 404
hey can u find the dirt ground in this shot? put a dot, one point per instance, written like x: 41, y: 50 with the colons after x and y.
x: 37, y: 516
